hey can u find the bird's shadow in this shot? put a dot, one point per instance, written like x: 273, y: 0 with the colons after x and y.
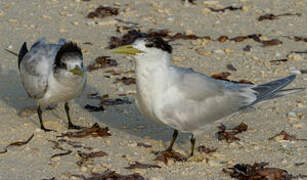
x: 125, y: 118
x: 128, y: 119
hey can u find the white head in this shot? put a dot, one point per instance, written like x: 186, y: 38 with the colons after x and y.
x: 150, y: 48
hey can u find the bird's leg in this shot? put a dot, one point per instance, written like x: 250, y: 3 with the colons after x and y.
x: 70, y: 124
x: 39, y: 112
x: 170, y: 147
x: 192, y: 145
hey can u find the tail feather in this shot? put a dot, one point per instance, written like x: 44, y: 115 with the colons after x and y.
x: 274, y: 89
x: 284, y: 92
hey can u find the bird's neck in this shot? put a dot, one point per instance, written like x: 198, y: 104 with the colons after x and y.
x: 151, y: 79
x: 152, y: 62
x: 152, y: 73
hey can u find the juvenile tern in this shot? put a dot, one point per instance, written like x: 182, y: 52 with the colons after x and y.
x: 186, y: 100
x: 52, y: 73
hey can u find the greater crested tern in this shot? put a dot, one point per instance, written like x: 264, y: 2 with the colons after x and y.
x: 185, y: 100
x: 52, y: 73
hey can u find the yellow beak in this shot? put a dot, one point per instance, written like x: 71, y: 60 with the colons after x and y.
x: 127, y: 49
x: 77, y: 71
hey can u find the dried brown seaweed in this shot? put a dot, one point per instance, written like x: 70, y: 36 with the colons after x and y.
x: 92, y: 108
x: 223, y: 38
x: 283, y: 135
x: 273, y: 17
x: 278, y: 61
x: 144, y: 145
x: 299, y: 52
x: 204, y: 149
x: 230, y: 8
x: 138, y: 165
x: 53, y: 178
x: 224, y: 76
x: 304, y: 71
x: 256, y: 37
x: 247, y: 48
x: 165, y: 155
x: 272, y: 42
x: 102, y: 62
x: 102, y: 12
x: 61, y: 154
x: 111, y: 175
x: 299, y: 164
x: 117, y: 101
x: 126, y: 80
x: 88, y: 43
x: 134, y: 34
x: 18, y: 143
x: 190, y: 1
x: 86, y: 156
x: 129, y: 23
x: 93, y: 95
x: 116, y: 72
x: 56, y: 145
x: 298, y: 38
x: 231, y: 67
x: 93, y: 131
x: 221, y: 76
x: 243, y: 81
x: 258, y: 171
x: 74, y: 144
x: 127, y: 38
x: 230, y: 134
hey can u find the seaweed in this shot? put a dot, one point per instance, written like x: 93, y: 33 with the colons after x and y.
x: 230, y: 134
x: 138, y: 165
x: 94, y: 131
x: 18, y: 143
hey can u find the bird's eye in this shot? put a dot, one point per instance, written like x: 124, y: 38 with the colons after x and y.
x: 149, y: 45
x: 63, y: 65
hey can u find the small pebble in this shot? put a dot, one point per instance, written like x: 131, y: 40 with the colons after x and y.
x: 295, y: 71
x: 177, y: 59
x: 84, y: 169
x: 298, y: 126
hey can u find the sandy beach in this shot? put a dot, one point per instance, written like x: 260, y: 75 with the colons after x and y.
x: 221, y: 36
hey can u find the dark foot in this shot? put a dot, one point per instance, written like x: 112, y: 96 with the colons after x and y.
x: 192, y: 145
x: 47, y: 130
x: 72, y: 126
x: 169, y: 154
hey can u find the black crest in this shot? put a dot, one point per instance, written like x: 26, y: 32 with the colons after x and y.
x: 22, y: 52
x: 69, y: 48
x: 159, y: 43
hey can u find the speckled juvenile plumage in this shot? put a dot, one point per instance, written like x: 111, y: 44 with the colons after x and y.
x: 47, y: 73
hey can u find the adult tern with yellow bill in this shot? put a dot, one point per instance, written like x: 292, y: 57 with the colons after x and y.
x: 186, y: 100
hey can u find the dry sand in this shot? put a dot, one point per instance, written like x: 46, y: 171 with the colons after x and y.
x: 28, y: 20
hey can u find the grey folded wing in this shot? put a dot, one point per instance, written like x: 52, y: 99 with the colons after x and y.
x: 34, y: 71
x: 214, y: 94
x: 197, y: 100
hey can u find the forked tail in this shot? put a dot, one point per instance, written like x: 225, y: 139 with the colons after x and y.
x: 274, y: 89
